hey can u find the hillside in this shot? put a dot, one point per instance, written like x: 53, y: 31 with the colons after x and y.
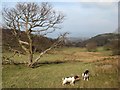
x: 42, y: 43
x: 101, y: 39
x: 8, y: 39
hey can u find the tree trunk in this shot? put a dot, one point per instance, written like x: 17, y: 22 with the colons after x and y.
x: 30, y: 58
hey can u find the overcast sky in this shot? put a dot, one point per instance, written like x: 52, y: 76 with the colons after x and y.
x: 84, y: 19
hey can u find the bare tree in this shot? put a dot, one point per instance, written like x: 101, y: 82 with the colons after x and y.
x: 33, y: 19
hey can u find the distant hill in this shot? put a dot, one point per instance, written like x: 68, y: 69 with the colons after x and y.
x: 76, y: 39
x: 72, y: 41
x: 41, y: 43
x: 101, y: 39
x: 8, y: 39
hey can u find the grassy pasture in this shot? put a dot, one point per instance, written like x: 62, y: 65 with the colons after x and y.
x: 103, y: 70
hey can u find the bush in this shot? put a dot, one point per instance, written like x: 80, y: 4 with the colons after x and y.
x: 115, y: 47
x: 91, y: 46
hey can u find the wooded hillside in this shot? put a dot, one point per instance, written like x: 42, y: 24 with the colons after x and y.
x: 39, y: 42
x: 100, y: 40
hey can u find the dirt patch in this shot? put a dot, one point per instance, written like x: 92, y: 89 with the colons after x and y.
x: 113, y: 60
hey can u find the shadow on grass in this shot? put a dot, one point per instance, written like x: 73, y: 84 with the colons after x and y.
x: 53, y: 62
x: 38, y: 64
x: 48, y: 63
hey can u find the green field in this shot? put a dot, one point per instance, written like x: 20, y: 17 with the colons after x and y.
x: 61, y: 63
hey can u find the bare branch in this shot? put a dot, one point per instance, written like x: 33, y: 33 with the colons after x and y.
x: 22, y: 42
x: 60, y: 39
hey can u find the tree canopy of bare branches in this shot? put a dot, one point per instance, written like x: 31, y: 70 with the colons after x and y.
x: 33, y: 19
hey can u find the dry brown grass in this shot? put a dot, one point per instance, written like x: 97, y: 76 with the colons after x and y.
x: 87, y: 57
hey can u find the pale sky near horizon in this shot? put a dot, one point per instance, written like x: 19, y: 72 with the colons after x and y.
x: 84, y: 19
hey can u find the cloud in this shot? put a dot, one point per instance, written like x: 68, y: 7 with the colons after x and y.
x: 87, y: 19
x: 99, y: 5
